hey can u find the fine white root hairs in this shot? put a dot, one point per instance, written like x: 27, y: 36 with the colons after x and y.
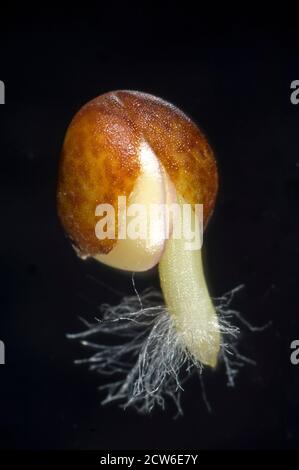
x: 150, y: 363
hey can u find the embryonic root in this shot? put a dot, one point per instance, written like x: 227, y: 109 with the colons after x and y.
x: 151, y: 361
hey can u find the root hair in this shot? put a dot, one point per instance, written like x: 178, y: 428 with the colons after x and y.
x: 151, y: 363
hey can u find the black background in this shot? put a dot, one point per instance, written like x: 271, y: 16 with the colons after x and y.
x: 233, y: 78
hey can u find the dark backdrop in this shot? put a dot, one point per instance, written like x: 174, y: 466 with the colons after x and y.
x: 234, y: 79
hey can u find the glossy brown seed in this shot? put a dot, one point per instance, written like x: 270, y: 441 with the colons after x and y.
x: 100, y: 160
